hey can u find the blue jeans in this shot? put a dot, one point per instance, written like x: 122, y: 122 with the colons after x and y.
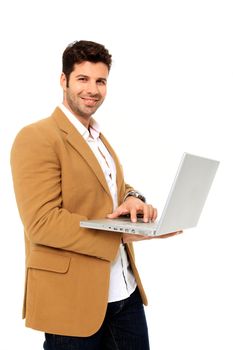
x: 124, y: 328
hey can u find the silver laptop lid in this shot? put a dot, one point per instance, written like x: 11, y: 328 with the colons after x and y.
x: 188, y: 193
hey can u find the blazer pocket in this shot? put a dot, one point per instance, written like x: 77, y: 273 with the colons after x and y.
x: 50, y: 262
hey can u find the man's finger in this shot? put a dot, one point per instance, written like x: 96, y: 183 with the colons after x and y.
x: 146, y: 213
x: 118, y: 212
x: 133, y: 215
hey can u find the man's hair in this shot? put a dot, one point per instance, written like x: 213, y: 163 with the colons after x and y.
x: 80, y: 51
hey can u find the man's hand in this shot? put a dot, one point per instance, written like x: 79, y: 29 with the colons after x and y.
x: 134, y: 206
x: 127, y: 237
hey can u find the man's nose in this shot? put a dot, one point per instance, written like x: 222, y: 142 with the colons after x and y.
x: 92, y: 88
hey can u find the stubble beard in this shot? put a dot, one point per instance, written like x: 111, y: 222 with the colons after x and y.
x: 81, y: 111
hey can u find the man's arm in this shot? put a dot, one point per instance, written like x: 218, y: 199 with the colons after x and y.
x: 37, y: 181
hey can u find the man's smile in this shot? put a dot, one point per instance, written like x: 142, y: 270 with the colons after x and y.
x: 90, y: 101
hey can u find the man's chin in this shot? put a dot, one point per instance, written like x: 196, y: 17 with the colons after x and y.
x: 89, y: 110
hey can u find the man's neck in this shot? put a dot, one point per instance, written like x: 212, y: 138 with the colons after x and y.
x: 84, y: 120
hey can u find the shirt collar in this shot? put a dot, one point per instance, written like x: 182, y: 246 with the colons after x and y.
x: 92, y: 133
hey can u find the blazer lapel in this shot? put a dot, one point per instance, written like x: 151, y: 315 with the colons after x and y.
x: 75, y: 139
x: 119, y: 177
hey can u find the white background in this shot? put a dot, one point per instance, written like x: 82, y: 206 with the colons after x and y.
x: 170, y: 91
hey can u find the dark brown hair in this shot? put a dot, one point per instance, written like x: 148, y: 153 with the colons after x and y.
x: 80, y: 51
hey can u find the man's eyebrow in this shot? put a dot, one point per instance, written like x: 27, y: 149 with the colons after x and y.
x: 101, y: 78
x: 86, y: 76
x: 81, y: 75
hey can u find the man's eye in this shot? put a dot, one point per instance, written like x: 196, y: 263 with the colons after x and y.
x: 101, y: 82
x: 82, y: 79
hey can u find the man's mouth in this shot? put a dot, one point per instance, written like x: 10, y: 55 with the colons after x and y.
x: 90, y: 101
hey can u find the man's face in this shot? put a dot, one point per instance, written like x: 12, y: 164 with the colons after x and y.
x: 86, y: 89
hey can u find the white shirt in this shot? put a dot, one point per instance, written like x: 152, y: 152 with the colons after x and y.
x: 122, y: 281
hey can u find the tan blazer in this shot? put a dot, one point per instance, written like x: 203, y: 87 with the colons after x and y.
x: 59, y: 182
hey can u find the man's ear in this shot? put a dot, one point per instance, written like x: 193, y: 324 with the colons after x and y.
x: 63, y: 81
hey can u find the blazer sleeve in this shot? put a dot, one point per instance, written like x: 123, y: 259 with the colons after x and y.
x: 36, y: 175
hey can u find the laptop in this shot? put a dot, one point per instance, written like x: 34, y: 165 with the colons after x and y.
x: 184, y: 204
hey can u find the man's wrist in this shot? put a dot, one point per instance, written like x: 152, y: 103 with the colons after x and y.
x: 135, y: 194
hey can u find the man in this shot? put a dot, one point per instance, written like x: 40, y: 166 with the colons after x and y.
x: 82, y: 286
